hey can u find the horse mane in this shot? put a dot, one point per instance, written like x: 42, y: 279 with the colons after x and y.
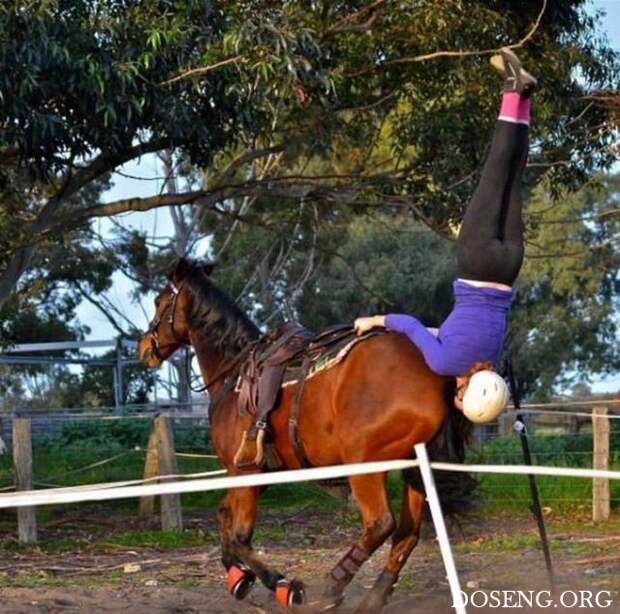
x: 215, y: 316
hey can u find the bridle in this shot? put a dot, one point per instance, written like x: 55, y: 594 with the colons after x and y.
x: 171, y: 311
x: 156, y: 321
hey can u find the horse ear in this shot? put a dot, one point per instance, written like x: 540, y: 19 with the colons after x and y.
x: 180, y: 270
x: 208, y: 268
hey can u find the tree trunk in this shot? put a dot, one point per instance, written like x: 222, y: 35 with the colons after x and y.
x: 20, y: 260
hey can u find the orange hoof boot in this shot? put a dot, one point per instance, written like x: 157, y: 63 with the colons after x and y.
x: 240, y: 580
x: 290, y: 592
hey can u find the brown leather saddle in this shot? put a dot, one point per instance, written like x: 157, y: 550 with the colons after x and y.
x: 289, y: 350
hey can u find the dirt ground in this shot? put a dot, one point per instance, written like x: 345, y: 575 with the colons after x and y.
x: 86, y: 563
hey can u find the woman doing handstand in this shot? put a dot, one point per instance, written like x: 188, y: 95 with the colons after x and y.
x: 489, y: 254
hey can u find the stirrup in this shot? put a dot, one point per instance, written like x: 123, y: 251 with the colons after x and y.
x: 260, y: 451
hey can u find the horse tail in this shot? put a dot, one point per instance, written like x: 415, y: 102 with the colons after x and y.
x: 456, y: 490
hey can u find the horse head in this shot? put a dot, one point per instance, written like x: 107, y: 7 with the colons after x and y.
x: 170, y: 327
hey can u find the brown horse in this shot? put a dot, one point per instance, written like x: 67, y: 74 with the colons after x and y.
x: 373, y: 406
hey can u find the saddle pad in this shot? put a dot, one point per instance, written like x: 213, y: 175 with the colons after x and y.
x: 332, y: 356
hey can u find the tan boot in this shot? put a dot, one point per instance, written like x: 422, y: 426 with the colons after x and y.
x: 516, y: 78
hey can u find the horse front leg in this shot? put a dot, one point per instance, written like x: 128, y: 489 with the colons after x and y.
x: 237, y: 516
x: 371, y: 496
x: 404, y: 541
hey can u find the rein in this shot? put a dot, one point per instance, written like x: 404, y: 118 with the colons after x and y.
x: 227, y: 367
x: 155, y: 346
x: 155, y: 322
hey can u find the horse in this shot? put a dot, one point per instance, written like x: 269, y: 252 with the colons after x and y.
x: 372, y: 406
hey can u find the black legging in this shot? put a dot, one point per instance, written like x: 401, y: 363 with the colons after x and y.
x: 490, y: 243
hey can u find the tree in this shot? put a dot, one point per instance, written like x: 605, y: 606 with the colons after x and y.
x: 62, y: 273
x: 86, y: 86
x: 381, y: 264
x: 401, y: 91
x: 563, y: 328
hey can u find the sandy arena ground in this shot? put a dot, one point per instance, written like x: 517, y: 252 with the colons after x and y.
x: 93, y: 575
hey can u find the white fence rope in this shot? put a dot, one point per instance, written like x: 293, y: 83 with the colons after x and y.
x: 529, y: 470
x: 52, y: 496
x: 105, y: 485
x: 123, y: 490
x: 559, y: 412
x: 192, y: 455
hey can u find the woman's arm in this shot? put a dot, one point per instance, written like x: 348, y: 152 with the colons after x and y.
x: 430, y: 346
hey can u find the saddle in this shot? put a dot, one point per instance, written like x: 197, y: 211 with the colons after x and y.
x: 287, y: 352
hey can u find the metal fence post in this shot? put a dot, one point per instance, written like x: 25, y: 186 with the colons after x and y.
x: 440, y: 528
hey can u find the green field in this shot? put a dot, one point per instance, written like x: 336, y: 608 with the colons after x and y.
x: 59, y: 461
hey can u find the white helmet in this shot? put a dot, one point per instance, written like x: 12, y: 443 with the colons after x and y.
x: 485, y: 397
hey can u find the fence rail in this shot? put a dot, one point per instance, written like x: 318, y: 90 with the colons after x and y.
x: 160, y: 467
x: 28, y: 499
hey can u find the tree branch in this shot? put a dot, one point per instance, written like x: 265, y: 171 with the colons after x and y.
x: 71, y: 184
x: 245, y: 158
x: 455, y: 54
x: 337, y: 27
x: 203, y: 70
x: 101, y: 308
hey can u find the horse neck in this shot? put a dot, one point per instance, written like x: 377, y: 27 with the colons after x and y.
x: 210, y: 361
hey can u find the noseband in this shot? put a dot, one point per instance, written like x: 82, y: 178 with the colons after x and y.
x: 155, y: 322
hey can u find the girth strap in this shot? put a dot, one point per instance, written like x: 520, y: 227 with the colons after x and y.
x: 293, y: 432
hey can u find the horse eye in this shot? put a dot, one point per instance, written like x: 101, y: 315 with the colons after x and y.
x: 157, y: 301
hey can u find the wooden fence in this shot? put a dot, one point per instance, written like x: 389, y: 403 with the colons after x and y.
x: 161, y: 461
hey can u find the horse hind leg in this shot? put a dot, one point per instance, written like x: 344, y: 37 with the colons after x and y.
x: 237, y: 519
x: 404, y: 541
x: 371, y: 496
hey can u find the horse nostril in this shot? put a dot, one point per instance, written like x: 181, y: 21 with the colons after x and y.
x: 144, y: 353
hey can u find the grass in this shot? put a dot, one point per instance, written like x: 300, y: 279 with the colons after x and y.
x: 55, y: 462
x: 41, y: 579
x: 562, y: 495
x: 524, y: 541
x: 502, y: 543
x: 162, y: 540
x: 408, y: 581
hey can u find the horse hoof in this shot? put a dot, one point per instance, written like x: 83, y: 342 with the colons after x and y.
x: 378, y: 597
x: 371, y: 605
x: 290, y: 593
x: 327, y: 603
x: 240, y: 580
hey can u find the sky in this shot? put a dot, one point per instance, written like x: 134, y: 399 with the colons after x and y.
x: 157, y: 222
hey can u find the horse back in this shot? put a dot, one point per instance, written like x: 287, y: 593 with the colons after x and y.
x: 374, y: 405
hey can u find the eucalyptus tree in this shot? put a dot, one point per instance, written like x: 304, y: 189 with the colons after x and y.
x: 399, y: 89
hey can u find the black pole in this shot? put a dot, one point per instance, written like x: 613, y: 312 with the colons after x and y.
x: 519, y: 426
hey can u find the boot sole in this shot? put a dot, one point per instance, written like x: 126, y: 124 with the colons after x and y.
x: 528, y: 80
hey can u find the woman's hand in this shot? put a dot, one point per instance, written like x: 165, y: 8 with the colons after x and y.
x: 363, y: 325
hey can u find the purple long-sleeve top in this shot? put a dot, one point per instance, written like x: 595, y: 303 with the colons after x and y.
x: 473, y: 332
